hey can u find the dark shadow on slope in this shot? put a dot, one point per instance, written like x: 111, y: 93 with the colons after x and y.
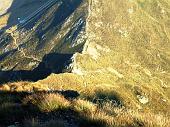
x: 60, y: 16
x: 26, y: 13
x: 20, y: 9
x: 110, y: 96
x: 16, y: 107
x: 13, y: 109
x: 51, y: 63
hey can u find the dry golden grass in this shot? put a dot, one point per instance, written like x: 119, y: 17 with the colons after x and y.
x: 122, y: 117
x: 24, y: 86
x: 84, y: 106
x: 4, y: 20
x: 91, y: 112
x: 48, y: 102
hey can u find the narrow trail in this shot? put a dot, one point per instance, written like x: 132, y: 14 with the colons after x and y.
x: 22, y: 50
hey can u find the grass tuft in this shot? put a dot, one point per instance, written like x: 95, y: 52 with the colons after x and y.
x: 84, y: 106
x: 48, y: 102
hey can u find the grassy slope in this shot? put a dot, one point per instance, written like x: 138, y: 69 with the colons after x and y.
x: 137, y: 35
x: 126, y: 57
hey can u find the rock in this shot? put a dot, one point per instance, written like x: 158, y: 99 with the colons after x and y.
x: 142, y: 99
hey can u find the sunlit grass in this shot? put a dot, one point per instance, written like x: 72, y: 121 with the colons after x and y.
x: 48, y: 102
x: 4, y: 20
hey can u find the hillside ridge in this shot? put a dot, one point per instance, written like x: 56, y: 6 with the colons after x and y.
x: 118, y: 75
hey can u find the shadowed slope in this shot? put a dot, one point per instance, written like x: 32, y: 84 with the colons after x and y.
x: 58, y: 30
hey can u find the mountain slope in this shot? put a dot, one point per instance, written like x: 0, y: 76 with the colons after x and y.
x: 57, y: 33
x: 127, y: 49
x: 121, y: 73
